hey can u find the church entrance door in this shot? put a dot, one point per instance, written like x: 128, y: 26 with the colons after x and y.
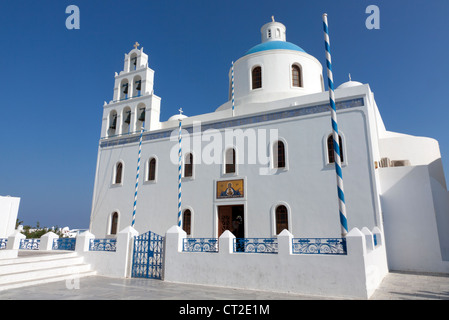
x: 231, y: 218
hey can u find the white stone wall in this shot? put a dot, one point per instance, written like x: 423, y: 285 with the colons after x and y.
x: 9, y: 208
x: 416, y: 219
x: 355, y: 275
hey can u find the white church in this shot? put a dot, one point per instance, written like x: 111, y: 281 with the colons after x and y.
x: 393, y: 181
x: 248, y: 198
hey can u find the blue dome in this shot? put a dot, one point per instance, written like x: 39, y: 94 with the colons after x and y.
x: 274, y: 45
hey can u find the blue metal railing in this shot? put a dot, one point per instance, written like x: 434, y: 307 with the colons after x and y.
x: 200, y: 245
x: 30, y: 244
x: 256, y: 245
x: 103, y: 245
x: 3, y: 242
x: 64, y: 244
x: 335, y: 246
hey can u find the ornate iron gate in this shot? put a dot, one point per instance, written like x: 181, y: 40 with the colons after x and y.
x: 148, y: 256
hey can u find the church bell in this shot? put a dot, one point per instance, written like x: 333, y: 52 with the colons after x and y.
x: 128, y: 117
x: 142, y: 115
x: 114, y: 123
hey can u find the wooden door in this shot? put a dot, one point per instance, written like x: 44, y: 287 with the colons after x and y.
x: 224, y: 219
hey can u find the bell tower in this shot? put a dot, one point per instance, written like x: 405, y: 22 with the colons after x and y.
x: 134, y: 104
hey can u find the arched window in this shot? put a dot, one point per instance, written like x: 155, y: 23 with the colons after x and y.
x: 296, y: 76
x: 126, y: 116
x: 186, y: 221
x: 188, y: 165
x: 118, y: 173
x: 256, y: 75
x: 140, y: 116
x: 281, y: 218
x: 133, y: 62
x: 279, y: 154
x: 124, y: 89
x: 114, y: 223
x: 330, y: 148
x: 230, y: 161
x: 152, y: 170
x: 137, y: 89
x: 112, y: 129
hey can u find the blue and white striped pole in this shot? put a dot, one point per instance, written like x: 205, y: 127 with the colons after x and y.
x: 340, y: 189
x: 137, y: 178
x: 232, y: 81
x: 179, y: 169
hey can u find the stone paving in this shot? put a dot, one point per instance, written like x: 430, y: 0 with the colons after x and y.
x: 396, y: 286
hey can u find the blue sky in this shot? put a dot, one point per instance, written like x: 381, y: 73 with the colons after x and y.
x: 54, y: 80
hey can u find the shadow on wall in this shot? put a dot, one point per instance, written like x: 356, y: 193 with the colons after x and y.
x: 415, y: 208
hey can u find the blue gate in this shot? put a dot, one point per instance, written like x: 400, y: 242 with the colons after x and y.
x: 148, y: 256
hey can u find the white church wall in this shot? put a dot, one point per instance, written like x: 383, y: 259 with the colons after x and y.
x: 276, y: 76
x: 409, y: 211
x: 355, y: 275
x: 419, y: 150
x: 307, y: 185
x: 9, y: 208
x: 441, y: 204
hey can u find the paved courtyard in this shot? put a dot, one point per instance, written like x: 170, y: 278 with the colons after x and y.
x: 396, y: 286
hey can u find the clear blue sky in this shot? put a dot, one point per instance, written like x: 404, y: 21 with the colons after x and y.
x: 54, y: 81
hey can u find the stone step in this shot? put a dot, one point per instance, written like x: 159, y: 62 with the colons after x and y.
x: 37, y: 256
x: 20, y: 284
x: 43, y: 273
x: 31, y: 268
x: 24, y: 266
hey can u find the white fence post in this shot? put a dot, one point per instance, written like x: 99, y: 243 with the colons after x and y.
x: 124, y: 249
x: 83, y: 241
x: 226, y: 243
x: 368, y: 239
x: 47, y: 241
x: 285, y: 243
x: 14, y: 240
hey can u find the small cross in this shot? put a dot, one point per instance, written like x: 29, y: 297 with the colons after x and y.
x: 350, y: 77
x: 272, y: 18
x: 136, y: 45
x: 180, y: 111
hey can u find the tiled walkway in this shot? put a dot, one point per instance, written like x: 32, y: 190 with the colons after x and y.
x: 396, y: 286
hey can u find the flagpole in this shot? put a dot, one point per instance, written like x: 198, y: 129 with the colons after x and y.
x: 179, y: 169
x: 137, y: 178
x: 338, y: 171
x: 232, y: 81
